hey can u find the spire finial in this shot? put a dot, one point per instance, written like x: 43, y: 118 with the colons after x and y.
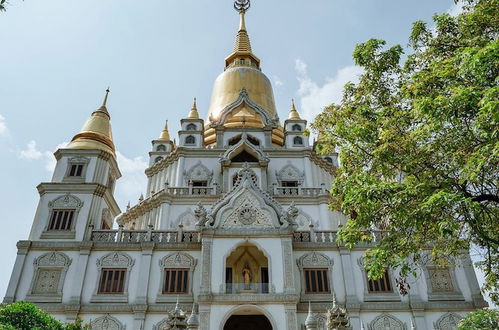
x: 193, y: 114
x: 165, y: 135
x: 242, y: 6
x: 293, y: 113
x: 105, y: 97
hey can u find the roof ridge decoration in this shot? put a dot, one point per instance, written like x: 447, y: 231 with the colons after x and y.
x: 244, y: 144
x: 246, y: 205
x: 244, y: 97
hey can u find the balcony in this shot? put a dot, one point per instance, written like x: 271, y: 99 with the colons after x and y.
x: 242, y: 288
x: 139, y: 236
x: 298, y: 191
x: 329, y: 236
x: 191, y: 191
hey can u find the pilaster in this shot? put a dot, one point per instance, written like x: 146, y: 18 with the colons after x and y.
x: 470, y: 274
x: 206, y: 247
x: 80, y: 272
x: 22, y: 251
x: 291, y: 320
x: 287, y: 256
x: 347, y: 268
x: 144, y: 272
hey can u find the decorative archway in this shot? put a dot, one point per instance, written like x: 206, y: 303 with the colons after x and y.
x: 248, y: 317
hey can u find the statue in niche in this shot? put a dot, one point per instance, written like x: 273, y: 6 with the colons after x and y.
x: 246, y: 277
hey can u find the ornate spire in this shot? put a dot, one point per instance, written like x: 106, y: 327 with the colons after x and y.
x: 293, y: 113
x: 96, y: 132
x: 242, y: 45
x: 165, y: 135
x: 311, y: 320
x: 193, y: 114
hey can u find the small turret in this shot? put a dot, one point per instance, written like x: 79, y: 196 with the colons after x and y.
x: 311, y: 320
x: 161, y: 147
x: 294, y: 128
x: 192, y: 129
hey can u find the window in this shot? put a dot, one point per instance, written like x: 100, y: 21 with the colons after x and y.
x: 190, y: 140
x: 161, y: 148
x: 112, y: 280
x: 228, y: 280
x: 244, y: 157
x: 48, y: 277
x: 157, y: 159
x: 316, y: 280
x: 76, y: 170
x: 61, y: 220
x: 241, y: 61
x: 199, y: 183
x: 380, y: 285
x: 289, y: 183
x: 176, y: 281
x: 328, y: 159
x: 191, y: 127
x: 296, y: 128
x: 297, y: 140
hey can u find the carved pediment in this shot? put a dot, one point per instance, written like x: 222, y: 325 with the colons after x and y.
x: 290, y: 173
x: 115, y: 259
x: 386, y: 322
x: 244, y: 145
x: 314, y: 260
x: 198, y: 172
x: 106, y: 322
x: 52, y: 259
x: 246, y: 205
x: 178, y: 260
x: 66, y: 202
x: 448, y: 321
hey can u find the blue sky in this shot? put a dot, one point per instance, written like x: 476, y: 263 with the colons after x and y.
x: 58, y: 56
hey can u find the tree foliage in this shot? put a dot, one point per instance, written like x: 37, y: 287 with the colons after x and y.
x: 418, y: 143
x: 482, y: 319
x: 24, y: 315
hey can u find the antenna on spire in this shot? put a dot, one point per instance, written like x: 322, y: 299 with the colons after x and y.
x: 105, y: 97
x: 242, y: 6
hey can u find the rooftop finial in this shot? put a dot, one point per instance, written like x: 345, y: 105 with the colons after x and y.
x: 105, y: 97
x: 193, y: 114
x: 165, y: 135
x: 242, y: 6
x: 293, y: 113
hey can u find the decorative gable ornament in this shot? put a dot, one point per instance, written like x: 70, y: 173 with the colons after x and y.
x: 52, y: 259
x: 116, y: 259
x: 247, y: 206
x: 448, y: 321
x: 386, y: 322
x: 198, y: 172
x: 314, y: 260
x: 178, y: 260
x: 290, y: 173
x: 106, y: 322
x: 244, y: 144
x: 67, y: 201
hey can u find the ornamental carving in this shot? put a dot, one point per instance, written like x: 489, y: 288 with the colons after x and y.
x: 115, y: 259
x: 290, y: 173
x: 187, y: 219
x: 440, y: 280
x: 314, y: 259
x: 246, y: 205
x: 247, y: 212
x: 386, y: 322
x: 53, y: 259
x: 47, y: 281
x: 198, y: 172
x: 178, y: 260
x: 106, y: 322
x: 66, y: 202
x: 448, y: 321
x: 162, y: 325
x: 79, y: 160
x: 243, y: 144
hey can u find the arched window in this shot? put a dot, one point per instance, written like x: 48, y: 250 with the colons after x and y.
x: 161, y: 147
x: 298, y: 140
x: 238, y: 138
x: 296, y: 128
x: 328, y: 159
x: 191, y: 127
x: 190, y: 140
x: 157, y: 159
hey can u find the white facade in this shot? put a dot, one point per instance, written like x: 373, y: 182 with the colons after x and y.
x: 246, y: 219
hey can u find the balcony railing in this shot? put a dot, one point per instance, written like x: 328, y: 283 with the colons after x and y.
x: 189, y: 191
x: 323, y: 236
x: 138, y: 236
x: 298, y: 191
x: 237, y: 288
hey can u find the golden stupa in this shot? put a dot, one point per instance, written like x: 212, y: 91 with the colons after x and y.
x: 242, y: 71
x: 96, y: 132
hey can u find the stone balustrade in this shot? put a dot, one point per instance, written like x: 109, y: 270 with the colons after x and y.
x: 138, y: 236
x: 241, y: 288
x: 191, y: 190
x: 298, y: 191
x: 323, y: 236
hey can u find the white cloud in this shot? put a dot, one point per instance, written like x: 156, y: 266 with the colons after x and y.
x: 134, y: 181
x: 3, y: 126
x: 32, y: 153
x: 314, y: 97
x: 277, y: 81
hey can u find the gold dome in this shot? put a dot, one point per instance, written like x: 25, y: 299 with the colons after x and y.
x: 242, y: 72
x: 96, y: 132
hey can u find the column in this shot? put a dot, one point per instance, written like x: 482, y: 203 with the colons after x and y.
x: 206, y: 247
x: 79, y: 273
x: 291, y: 321
x: 180, y: 171
x: 287, y: 256
x: 469, y: 271
x: 22, y: 251
x: 145, y: 269
x: 347, y: 269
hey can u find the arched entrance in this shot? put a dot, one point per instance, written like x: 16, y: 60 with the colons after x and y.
x: 247, y: 322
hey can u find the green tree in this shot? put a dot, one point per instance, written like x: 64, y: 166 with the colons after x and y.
x: 482, y: 319
x: 417, y: 138
x: 24, y: 315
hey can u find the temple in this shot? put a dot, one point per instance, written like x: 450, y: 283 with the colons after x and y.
x: 233, y: 232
